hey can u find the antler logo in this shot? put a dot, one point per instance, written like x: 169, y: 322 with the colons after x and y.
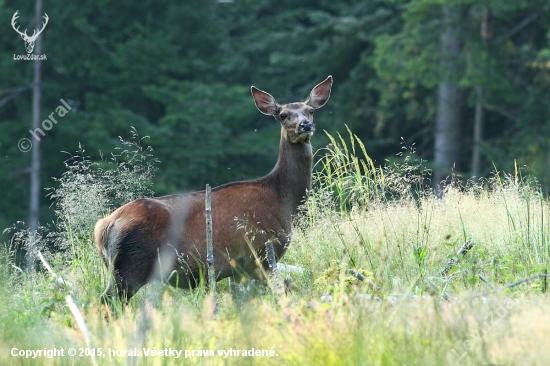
x: 29, y: 41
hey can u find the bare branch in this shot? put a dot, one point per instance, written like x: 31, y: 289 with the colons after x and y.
x: 510, y: 285
x: 501, y: 111
x: 524, y: 23
x: 13, y: 92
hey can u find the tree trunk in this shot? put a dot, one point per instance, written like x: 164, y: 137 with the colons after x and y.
x: 478, y: 134
x: 478, y: 119
x: 450, y: 96
x: 34, y: 204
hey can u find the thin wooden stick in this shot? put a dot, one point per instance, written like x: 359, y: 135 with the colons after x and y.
x: 72, y: 305
x: 210, y: 247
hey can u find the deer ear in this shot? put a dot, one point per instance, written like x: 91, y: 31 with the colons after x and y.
x: 320, y: 93
x: 264, y: 101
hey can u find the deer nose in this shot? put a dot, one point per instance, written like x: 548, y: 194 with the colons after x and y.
x: 305, y: 126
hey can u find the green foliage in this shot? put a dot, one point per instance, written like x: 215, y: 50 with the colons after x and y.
x: 500, y: 57
x: 198, y: 145
x: 88, y: 190
x: 352, y: 179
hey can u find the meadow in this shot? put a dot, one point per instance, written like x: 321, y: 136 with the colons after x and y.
x: 414, y: 302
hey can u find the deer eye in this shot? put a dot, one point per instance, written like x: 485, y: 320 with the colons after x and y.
x: 283, y: 115
x: 311, y: 111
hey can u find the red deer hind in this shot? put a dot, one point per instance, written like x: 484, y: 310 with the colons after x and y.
x: 150, y: 238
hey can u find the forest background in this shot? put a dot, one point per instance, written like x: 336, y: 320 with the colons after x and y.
x: 466, y: 82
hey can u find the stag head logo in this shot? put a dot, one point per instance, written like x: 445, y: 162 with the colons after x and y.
x: 29, y: 40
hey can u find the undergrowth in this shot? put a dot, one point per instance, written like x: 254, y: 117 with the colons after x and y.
x: 376, y: 277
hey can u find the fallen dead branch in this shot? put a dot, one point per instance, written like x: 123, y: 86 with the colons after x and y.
x: 71, y: 304
x: 362, y: 278
x: 510, y: 285
x: 464, y: 249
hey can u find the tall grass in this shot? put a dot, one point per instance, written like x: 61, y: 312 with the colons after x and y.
x: 380, y: 221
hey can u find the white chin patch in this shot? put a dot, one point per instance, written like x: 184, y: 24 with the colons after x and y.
x: 305, y: 136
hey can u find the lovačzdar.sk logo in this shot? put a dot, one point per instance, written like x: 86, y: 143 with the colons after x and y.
x: 29, y: 40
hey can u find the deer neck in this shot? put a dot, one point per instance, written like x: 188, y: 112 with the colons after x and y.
x: 291, y: 176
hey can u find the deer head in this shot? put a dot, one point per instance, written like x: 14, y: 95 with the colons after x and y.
x: 295, y: 118
x: 29, y: 41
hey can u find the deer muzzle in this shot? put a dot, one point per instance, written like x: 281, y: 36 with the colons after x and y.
x: 305, y: 127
